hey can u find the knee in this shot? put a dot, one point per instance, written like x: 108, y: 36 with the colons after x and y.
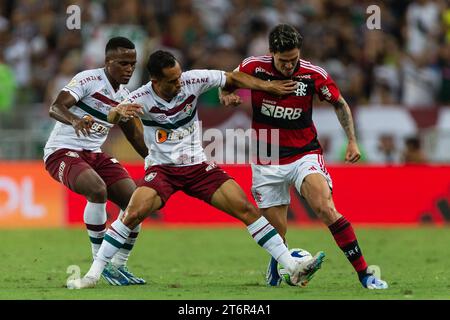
x: 98, y: 192
x: 132, y: 216
x: 139, y: 210
x: 325, y: 211
x: 246, y: 212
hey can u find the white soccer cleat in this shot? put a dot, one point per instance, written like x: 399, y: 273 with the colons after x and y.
x: 373, y: 283
x: 305, y: 271
x: 83, y: 283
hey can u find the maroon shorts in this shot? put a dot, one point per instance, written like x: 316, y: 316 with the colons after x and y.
x: 65, y: 165
x: 198, y: 181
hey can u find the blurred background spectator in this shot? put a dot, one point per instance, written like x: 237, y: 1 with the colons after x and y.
x: 413, y: 153
x: 405, y: 64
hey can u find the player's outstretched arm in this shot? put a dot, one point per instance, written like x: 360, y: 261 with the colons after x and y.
x: 242, y: 80
x: 345, y: 118
x: 134, y: 132
x: 59, y: 111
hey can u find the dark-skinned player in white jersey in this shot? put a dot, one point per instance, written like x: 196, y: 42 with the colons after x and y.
x: 300, y: 162
x: 73, y: 154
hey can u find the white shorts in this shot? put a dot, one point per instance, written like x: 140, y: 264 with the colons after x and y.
x: 271, y: 183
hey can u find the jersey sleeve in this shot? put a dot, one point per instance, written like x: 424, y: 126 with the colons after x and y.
x: 327, y: 89
x: 77, y: 87
x: 200, y: 81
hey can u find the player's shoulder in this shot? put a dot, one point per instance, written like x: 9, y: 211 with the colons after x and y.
x: 89, y: 76
x: 90, y: 72
x: 142, y: 92
x: 198, y: 76
x: 197, y: 73
x: 257, y: 61
x: 314, y: 70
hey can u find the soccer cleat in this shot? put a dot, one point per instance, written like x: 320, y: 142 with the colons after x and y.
x: 130, y: 276
x: 113, y: 276
x: 372, y: 282
x: 273, y: 279
x: 305, y: 270
x: 83, y: 283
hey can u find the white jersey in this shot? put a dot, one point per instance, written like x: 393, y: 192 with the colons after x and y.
x: 95, y: 96
x: 171, y: 129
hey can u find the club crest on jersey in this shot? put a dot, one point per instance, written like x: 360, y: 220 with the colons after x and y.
x: 72, y: 154
x: 188, y: 109
x: 301, y: 89
x: 150, y: 176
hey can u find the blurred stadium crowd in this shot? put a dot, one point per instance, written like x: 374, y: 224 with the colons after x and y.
x: 406, y: 63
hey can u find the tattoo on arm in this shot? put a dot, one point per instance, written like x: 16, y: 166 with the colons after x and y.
x: 344, y: 115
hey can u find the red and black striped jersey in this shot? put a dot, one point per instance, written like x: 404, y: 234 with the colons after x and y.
x: 291, y: 114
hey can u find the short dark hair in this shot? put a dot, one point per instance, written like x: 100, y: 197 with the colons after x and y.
x: 118, y: 42
x: 158, y: 61
x: 283, y: 38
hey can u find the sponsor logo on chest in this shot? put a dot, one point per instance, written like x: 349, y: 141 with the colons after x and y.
x: 279, y: 112
x: 162, y: 135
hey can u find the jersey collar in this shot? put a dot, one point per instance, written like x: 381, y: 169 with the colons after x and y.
x: 109, y: 85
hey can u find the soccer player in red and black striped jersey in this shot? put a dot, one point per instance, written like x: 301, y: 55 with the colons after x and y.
x: 299, y: 161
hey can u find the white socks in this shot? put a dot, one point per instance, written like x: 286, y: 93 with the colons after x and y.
x: 115, y: 237
x: 95, y: 220
x: 121, y: 257
x: 268, y: 238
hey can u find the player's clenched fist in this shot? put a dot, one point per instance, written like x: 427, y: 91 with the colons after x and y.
x: 230, y: 99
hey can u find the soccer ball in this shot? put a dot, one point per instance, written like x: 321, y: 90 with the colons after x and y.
x: 298, y: 254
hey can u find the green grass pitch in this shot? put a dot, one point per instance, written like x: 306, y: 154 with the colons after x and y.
x: 225, y: 263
